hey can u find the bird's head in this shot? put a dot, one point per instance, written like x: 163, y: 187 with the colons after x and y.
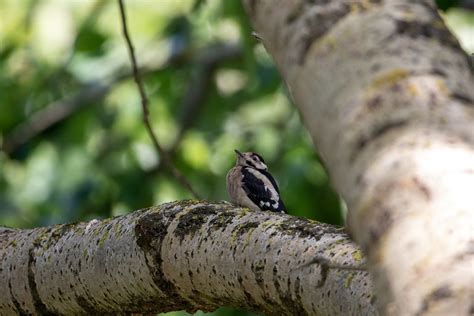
x: 250, y: 159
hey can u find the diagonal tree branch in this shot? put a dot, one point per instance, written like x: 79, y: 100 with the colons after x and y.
x: 200, y: 84
x: 53, y: 114
x: 385, y: 91
x: 92, y: 92
x: 183, y: 255
x: 144, y: 101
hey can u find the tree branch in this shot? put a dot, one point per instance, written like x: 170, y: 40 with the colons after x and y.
x: 466, y: 4
x: 92, y: 92
x: 201, y: 82
x: 386, y: 93
x: 53, y: 114
x: 183, y: 255
x: 144, y: 101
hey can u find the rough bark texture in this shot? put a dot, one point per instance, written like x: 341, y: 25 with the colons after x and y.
x: 387, y: 95
x: 184, y: 255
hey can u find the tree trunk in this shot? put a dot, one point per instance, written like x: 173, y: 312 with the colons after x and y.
x: 184, y: 255
x: 387, y: 95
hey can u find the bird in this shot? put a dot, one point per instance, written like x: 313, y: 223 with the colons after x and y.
x: 249, y: 184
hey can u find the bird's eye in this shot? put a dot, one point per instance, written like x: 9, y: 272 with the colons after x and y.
x: 258, y: 158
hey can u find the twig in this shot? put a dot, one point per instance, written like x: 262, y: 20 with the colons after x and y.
x: 144, y: 101
x: 257, y: 36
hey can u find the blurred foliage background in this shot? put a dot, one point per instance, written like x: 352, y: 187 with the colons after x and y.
x: 71, y: 129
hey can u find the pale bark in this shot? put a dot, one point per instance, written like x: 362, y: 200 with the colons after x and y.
x: 387, y: 95
x: 184, y: 255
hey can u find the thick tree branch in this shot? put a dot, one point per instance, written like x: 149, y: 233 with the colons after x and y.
x: 386, y: 93
x: 184, y: 255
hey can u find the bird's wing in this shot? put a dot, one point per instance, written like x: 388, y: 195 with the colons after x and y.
x: 262, y: 189
x: 272, y: 180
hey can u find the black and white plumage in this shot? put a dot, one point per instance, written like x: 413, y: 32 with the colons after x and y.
x: 249, y: 184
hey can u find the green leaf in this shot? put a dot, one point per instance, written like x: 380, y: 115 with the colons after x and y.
x: 90, y: 41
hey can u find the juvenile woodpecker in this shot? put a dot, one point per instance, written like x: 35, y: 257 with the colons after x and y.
x: 249, y: 184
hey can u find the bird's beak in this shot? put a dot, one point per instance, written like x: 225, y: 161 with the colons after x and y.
x: 238, y: 153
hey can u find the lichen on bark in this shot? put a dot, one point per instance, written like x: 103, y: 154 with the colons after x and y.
x: 185, y: 255
x: 385, y: 91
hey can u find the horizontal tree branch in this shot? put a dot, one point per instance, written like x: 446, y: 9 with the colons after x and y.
x: 184, y: 255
